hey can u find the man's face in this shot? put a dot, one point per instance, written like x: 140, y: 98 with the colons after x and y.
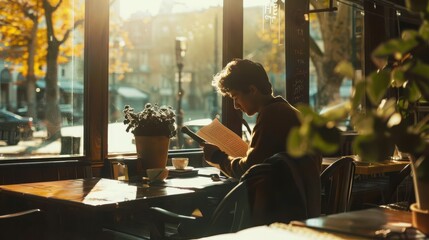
x: 244, y: 101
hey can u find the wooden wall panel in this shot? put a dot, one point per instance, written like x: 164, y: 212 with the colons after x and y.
x: 41, y: 171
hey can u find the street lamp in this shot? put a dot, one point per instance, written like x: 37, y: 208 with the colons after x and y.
x: 180, y: 56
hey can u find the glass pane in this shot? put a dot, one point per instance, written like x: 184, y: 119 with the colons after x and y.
x: 41, y: 67
x: 143, y: 66
x: 264, y: 41
x: 335, y: 36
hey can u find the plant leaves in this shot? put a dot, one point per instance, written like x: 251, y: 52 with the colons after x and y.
x: 326, y: 140
x: 377, y: 84
x: 407, y: 141
x: 346, y: 69
x: 419, y: 74
x: 394, y: 46
x: 412, y: 92
x: 373, y: 147
x: 297, y: 145
x: 398, y: 77
x: 364, y: 124
x: 417, y: 5
x: 337, y: 112
x: 424, y: 30
x: 409, y: 34
x: 358, y: 94
x: 386, y: 109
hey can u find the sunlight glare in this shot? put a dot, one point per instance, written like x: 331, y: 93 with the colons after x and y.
x: 128, y: 7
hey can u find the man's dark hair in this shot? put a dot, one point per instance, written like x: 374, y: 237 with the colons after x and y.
x: 239, y: 74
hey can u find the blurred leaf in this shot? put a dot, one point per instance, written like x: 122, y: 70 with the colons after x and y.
x: 394, y: 120
x: 394, y: 46
x: 398, y: 77
x: 337, y: 112
x: 309, y: 115
x: 417, y: 5
x: 424, y: 30
x: 346, y: 69
x: 358, y: 94
x: 419, y: 74
x: 407, y: 141
x: 412, y: 92
x: 424, y: 89
x: 327, y: 139
x: 306, y: 111
x: 409, y: 34
x: 373, y: 148
x: 386, y: 108
x: 297, y: 145
x: 419, y: 71
x: 403, y: 104
x: 364, y: 124
x: 377, y: 84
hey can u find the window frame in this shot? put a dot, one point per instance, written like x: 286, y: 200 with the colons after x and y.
x: 96, y: 69
x: 96, y: 84
x: 96, y: 80
x: 96, y: 58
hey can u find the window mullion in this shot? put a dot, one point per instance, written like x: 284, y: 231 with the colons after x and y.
x: 96, y: 79
x: 232, y: 48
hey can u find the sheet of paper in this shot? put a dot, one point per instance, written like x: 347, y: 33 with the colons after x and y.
x: 221, y: 136
x: 275, y: 232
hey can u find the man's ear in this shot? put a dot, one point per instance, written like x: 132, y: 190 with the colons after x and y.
x: 253, y: 90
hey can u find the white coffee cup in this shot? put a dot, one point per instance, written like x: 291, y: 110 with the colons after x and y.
x: 157, y: 174
x: 180, y: 163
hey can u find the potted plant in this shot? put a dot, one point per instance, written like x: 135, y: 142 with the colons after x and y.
x: 386, y: 123
x: 152, y: 128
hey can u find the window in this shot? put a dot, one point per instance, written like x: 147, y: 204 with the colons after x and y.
x: 264, y: 31
x: 335, y: 35
x: 129, y: 58
x: 332, y: 42
x: 42, y: 54
x: 143, y: 68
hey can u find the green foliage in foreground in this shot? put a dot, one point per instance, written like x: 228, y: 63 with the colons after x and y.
x: 384, y: 123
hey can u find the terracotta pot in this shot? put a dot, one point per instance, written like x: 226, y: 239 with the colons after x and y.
x: 152, y: 152
x: 420, y: 218
x: 420, y: 187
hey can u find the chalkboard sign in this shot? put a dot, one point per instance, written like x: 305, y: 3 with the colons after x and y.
x: 297, y: 52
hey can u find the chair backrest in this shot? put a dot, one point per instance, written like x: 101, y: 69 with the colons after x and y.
x: 395, y: 180
x: 26, y: 224
x: 337, y: 183
x: 281, y: 189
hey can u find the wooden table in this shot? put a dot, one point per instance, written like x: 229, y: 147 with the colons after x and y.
x: 91, y: 192
x: 370, y: 223
x: 365, y: 168
x: 78, y: 208
x: 375, y: 223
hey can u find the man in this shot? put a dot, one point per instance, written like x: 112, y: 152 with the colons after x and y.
x: 247, y: 83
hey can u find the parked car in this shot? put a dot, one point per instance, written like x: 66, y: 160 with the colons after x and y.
x: 14, y: 128
x: 197, y: 124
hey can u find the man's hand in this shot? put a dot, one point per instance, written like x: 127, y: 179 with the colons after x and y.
x: 212, y: 153
x: 213, y: 164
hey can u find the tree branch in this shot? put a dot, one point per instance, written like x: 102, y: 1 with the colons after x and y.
x: 54, y: 8
x: 76, y: 24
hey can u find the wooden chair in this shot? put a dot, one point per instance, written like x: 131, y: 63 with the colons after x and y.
x: 22, y: 225
x: 337, y: 183
x: 398, y: 196
x: 281, y: 189
x: 395, y: 181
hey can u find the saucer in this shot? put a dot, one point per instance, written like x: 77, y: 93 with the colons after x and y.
x: 182, y: 173
x: 188, y: 168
